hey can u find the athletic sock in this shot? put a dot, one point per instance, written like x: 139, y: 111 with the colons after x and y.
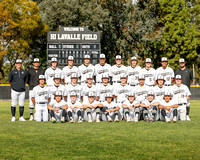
x: 64, y: 113
x: 187, y: 110
x: 31, y: 111
x: 52, y: 114
x: 13, y: 110
x: 136, y: 115
x: 70, y: 114
x: 163, y: 112
x: 97, y: 115
x: 79, y: 114
x: 21, y: 111
x: 175, y: 112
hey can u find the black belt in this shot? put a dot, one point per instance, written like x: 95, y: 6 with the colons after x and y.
x: 131, y: 84
x: 116, y: 81
x: 167, y: 84
x: 182, y: 104
x: 41, y: 102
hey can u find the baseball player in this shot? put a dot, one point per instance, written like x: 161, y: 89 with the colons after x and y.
x: 131, y: 108
x: 57, y: 87
x: 57, y: 108
x: 89, y: 87
x: 133, y: 72
x: 33, y: 75
x: 150, y: 108
x: 101, y: 68
x: 181, y: 94
x: 92, y: 108
x: 149, y: 73
x: 17, y: 79
x: 74, y: 109
x: 110, y: 110
x: 166, y: 72
x: 69, y: 70
x: 187, y: 79
x: 74, y: 87
x: 51, y: 71
x: 168, y: 108
x: 104, y: 88
x: 40, y: 98
x: 85, y: 69
x: 117, y: 69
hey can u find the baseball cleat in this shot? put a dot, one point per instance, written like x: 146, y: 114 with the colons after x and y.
x: 31, y: 118
x: 109, y: 119
x: 12, y: 119
x: 22, y: 119
x: 80, y: 121
x: 116, y: 119
x: 151, y: 119
x: 97, y: 120
x: 167, y: 119
x: 128, y: 119
x: 53, y: 120
x: 174, y: 120
x: 136, y: 119
x: 188, y: 118
x: 146, y: 119
x: 62, y: 120
x: 71, y: 120
x: 89, y: 120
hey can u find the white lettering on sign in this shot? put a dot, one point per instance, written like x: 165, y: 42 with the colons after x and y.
x: 69, y: 36
x: 52, y: 46
x: 52, y: 36
x: 68, y: 46
x: 73, y: 29
x: 85, y: 46
x: 53, y: 55
x: 89, y: 37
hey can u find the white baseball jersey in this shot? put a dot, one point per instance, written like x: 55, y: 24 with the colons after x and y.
x: 84, y: 71
x: 56, y: 104
x: 133, y: 74
x: 121, y: 92
x: 86, y: 90
x: 141, y: 92
x: 117, y: 71
x: 67, y: 72
x: 73, y: 88
x: 93, y: 103
x: 112, y: 105
x: 99, y: 70
x: 50, y: 73
x: 54, y: 89
x: 180, y: 93
x: 102, y: 90
x: 160, y: 92
x: 147, y: 102
x: 41, y: 94
x: 128, y: 103
x: 167, y: 73
x: 149, y: 76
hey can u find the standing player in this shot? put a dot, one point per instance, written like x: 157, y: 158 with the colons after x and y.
x: 133, y: 72
x: 149, y: 73
x: 166, y: 72
x: 51, y: 71
x: 85, y: 69
x: 33, y: 75
x: 117, y: 69
x: 69, y: 70
x: 40, y: 98
x: 17, y: 79
x: 187, y: 79
x: 101, y: 68
x: 181, y: 95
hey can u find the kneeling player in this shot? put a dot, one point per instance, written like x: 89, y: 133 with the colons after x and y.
x: 110, y: 110
x: 57, y: 108
x: 91, y: 108
x: 40, y: 98
x: 74, y: 110
x: 131, y: 108
x: 150, y: 108
x: 168, y: 108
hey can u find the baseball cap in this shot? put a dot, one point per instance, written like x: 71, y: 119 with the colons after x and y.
x: 74, y: 75
x: 18, y: 61
x: 181, y: 60
x: 108, y: 95
x: 178, y: 77
x: 164, y: 59
x: 36, y: 60
x: 105, y: 75
x: 89, y: 76
x: 70, y: 58
x: 54, y: 59
x: 41, y: 77
x: 91, y: 94
x: 122, y: 75
x: 102, y: 56
x: 160, y: 77
x: 58, y: 93
x: 168, y: 93
x: 86, y: 56
x: 150, y: 93
x: 133, y: 58
x: 57, y: 76
x: 73, y: 94
x: 118, y: 57
x: 131, y: 94
x: 141, y: 76
x: 148, y: 60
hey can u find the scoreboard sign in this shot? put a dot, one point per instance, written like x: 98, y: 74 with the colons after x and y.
x: 73, y: 41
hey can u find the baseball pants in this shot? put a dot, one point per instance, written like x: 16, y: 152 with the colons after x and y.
x: 170, y: 114
x: 93, y: 113
x: 112, y: 115
x: 151, y: 112
x: 182, y: 112
x: 74, y: 113
x: 132, y: 113
x: 41, y: 112
x: 31, y: 105
x: 15, y: 96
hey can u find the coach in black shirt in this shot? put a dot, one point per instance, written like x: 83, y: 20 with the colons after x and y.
x: 187, y: 78
x: 33, y: 77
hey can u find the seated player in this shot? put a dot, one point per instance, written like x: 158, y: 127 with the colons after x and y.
x: 181, y: 94
x: 91, y: 108
x: 131, y: 108
x: 168, y: 108
x: 150, y: 108
x: 40, y: 98
x: 110, y: 110
x: 57, y: 107
x: 74, y: 109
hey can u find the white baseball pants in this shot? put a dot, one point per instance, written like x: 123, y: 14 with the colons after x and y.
x: 15, y: 96
x: 41, y: 112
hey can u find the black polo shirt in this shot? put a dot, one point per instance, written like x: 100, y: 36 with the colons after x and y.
x: 186, y: 75
x: 18, y: 79
x: 33, y: 77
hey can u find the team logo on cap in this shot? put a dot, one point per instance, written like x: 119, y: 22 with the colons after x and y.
x: 163, y: 59
x: 118, y: 57
x: 148, y: 60
x: 181, y: 60
x: 178, y: 77
x: 57, y: 76
x: 133, y: 58
x: 87, y: 56
x: 102, y: 56
x: 70, y: 58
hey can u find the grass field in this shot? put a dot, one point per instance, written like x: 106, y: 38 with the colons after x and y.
x: 45, y: 140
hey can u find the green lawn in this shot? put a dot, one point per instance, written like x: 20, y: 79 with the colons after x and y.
x: 45, y: 140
